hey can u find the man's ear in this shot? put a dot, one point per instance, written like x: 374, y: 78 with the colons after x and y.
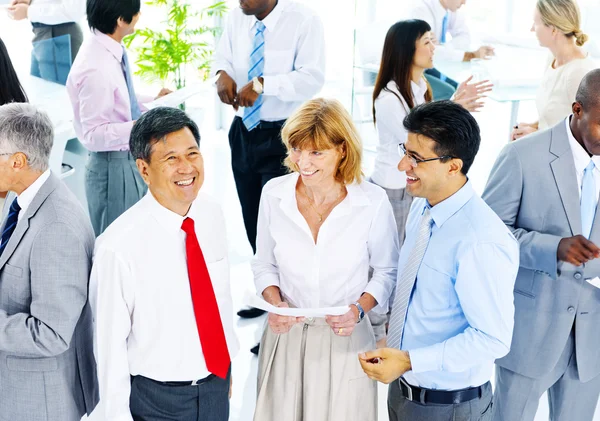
x: 577, y: 109
x: 19, y: 161
x: 455, y: 167
x: 142, y: 167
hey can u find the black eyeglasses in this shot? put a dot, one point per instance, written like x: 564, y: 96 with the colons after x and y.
x: 414, y: 161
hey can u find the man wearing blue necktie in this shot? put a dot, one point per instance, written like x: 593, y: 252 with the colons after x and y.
x: 452, y: 34
x: 545, y: 188
x: 452, y: 310
x: 271, y: 58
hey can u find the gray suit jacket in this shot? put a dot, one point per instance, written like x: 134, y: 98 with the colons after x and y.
x: 47, y: 366
x: 533, y: 189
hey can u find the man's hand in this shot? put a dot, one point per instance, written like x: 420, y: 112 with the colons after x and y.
x: 385, y: 365
x: 484, y: 51
x: 577, y: 250
x: 521, y: 130
x: 343, y: 325
x: 227, y: 89
x: 163, y: 92
x: 247, y: 96
x: 13, y: 2
x: 19, y: 11
x: 282, y: 324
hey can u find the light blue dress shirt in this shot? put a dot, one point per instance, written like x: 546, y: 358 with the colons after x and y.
x: 461, y: 313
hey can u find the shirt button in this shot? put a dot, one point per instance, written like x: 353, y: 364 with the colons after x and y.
x: 571, y: 309
x: 577, y: 275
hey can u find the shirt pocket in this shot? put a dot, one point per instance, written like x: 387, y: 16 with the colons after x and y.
x: 436, y: 288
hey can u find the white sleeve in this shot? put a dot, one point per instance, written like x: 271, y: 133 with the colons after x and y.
x: 458, y: 28
x: 264, y: 265
x: 224, y: 52
x: 55, y: 13
x: 112, y: 300
x: 308, y: 76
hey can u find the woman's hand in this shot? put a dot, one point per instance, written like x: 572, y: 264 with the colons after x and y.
x: 282, y: 324
x: 523, y: 129
x: 343, y: 325
x: 470, y: 95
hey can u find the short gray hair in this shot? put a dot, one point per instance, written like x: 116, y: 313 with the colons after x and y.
x: 27, y: 129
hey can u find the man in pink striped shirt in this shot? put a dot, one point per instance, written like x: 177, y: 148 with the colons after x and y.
x: 105, y: 106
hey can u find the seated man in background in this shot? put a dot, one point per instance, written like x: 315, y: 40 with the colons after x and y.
x: 105, y: 106
x: 449, y: 26
x: 452, y: 314
x: 47, y: 368
x: 160, y: 287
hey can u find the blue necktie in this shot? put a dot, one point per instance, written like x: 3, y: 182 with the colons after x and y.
x: 444, y: 29
x: 133, y: 102
x: 11, y: 224
x: 588, y: 200
x: 257, y: 65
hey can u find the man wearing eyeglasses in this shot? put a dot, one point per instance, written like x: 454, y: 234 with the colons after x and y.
x: 452, y: 311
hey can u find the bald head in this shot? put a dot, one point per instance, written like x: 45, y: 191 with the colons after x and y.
x: 587, y: 93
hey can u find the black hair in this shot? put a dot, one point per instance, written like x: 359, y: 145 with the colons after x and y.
x: 587, y: 93
x: 397, y: 60
x: 103, y: 15
x: 10, y: 87
x: 154, y: 126
x: 452, y: 128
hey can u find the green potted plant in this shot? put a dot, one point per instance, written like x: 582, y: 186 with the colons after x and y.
x: 185, y: 40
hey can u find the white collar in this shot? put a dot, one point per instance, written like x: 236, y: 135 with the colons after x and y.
x: 26, y: 197
x: 272, y: 18
x: 580, y: 156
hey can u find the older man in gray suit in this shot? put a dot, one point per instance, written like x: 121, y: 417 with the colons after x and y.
x: 47, y: 367
x: 545, y: 188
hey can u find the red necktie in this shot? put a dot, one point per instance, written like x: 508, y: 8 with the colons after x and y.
x: 206, y: 310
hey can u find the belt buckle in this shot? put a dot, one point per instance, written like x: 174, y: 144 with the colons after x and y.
x: 410, y: 394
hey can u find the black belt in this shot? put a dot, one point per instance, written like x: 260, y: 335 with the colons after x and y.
x: 442, y: 397
x: 185, y: 383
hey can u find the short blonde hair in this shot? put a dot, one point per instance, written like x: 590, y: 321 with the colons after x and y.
x: 322, y: 124
x: 565, y: 16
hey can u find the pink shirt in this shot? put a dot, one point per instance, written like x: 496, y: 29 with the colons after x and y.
x: 99, y: 96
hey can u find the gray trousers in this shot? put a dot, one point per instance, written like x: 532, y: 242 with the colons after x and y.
x: 45, y: 32
x: 154, y: 401
x: 112, y: 185
x: 401, y: 409
x: 517, y: 397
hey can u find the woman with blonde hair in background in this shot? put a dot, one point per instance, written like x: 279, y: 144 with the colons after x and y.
x: 320, y: 229
x: 556, y: 24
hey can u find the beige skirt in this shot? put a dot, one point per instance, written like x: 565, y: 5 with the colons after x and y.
x: 312, y: 374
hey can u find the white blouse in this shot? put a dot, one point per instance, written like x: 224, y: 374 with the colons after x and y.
x: 556, y: 93
x: 389, y: 113
x: 359, y: 233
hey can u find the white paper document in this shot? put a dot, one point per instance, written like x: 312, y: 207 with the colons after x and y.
x: 178, y: 97
x: 594, y: 281
x: 254, y: 300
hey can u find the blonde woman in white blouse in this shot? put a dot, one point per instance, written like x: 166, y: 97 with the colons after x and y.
x: 320, y: 229
x: 556, y: 24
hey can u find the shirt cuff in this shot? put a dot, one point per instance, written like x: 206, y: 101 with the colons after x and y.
x: 271, y: 85
x: 426, y: 359
x: 265, y: 282
x: 378, y: 292
x: 222, y: 67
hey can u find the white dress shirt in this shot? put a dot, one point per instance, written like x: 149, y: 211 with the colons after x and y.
x: 390, y: 111
x: 54, y: 12
x: 582, y: 159
x: 140, y: 297
x: 558, y: 88
x: 27, y: 196
x: 359, y: 232
x: 294, y: 56
x: 432, y: 12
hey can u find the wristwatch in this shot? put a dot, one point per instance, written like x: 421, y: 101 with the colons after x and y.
x: 361, y: 312
x: 257, y: 86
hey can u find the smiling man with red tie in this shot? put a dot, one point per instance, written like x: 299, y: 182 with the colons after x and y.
x: 160, y: 287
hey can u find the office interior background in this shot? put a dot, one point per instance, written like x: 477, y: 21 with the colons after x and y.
x: 354, y: 34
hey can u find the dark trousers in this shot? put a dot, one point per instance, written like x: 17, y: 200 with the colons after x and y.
x: 256, y: 157
x: 401, y: 409
x: 52, y: 55
x: 156, y: 401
